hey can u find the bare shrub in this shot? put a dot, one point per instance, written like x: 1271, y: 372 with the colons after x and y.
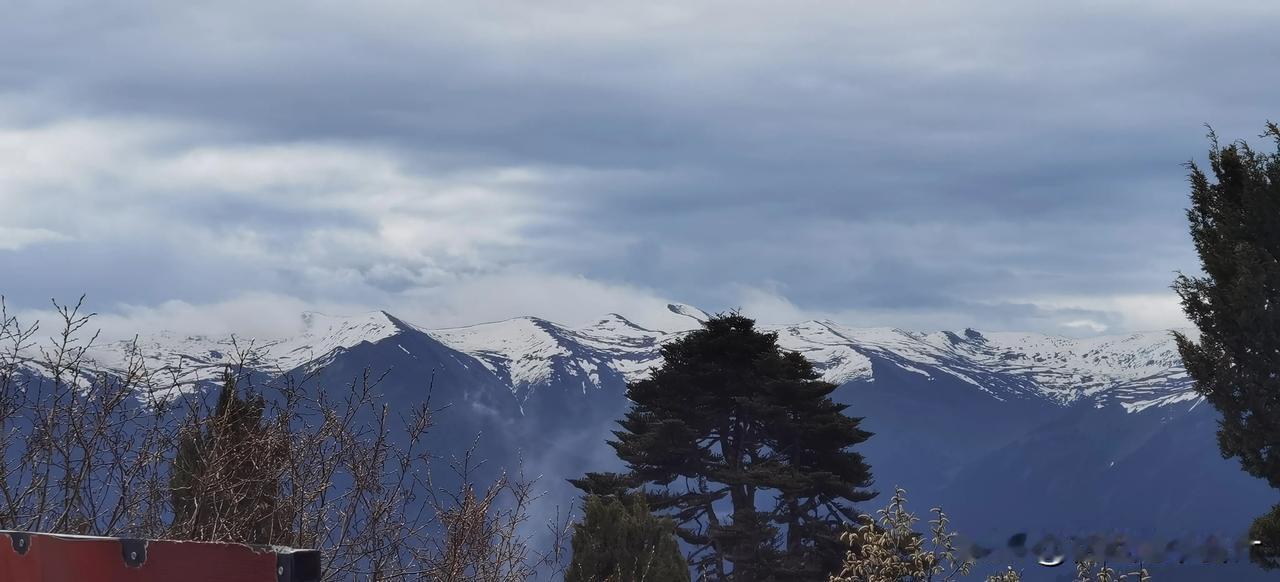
x: 887, y: 549
x: 92, y: 452
x: 481, y: 540
x: 80, y: 452
x: 1090, y: 571
x: 1008, y: 575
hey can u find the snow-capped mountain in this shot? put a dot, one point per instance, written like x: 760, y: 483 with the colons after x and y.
x: 185, y: 360
x: 529, y: 352
x: 1135, y: 371
x: 1009, y: 431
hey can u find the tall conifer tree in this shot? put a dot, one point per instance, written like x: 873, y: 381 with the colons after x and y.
x: 741, y: 444
x: 619, y: 540
x: 1235, y: 224
x: 225, y: 481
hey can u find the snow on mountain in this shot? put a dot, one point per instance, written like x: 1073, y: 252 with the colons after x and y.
x: 520, y: 351
x: 528, y: 352
x: 831, y: 352
x: 326, y: 335
x: 1009, y: 431
x: 186, y: 360
x: 688, y: 311
x: 180, y: 360
x: 1135, y: 371
x: 629, y: 349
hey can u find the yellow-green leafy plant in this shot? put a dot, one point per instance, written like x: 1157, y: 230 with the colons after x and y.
x: 1008, y: 575
x: 887, y: 549
x: 1089, y: 571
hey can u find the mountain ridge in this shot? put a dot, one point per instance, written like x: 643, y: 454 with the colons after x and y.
x: 1008, y: 431
x: 1136, y: 370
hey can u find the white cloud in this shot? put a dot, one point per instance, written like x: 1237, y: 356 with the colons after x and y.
x: 1133, y: 312
x: 1086, y: 325
x: 14, y: 238
x: 101, y: 176
x: 249, y: 315
x: 574, y: 300
x: 458, y: 162
x: 770, y: 305
x: 359, y: 228
x: 571, y: 300
x: 331, y: 210
x: 564, y: 299
x: 1065, y: 315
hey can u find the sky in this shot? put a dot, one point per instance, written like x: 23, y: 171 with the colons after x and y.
x: 222, y: 167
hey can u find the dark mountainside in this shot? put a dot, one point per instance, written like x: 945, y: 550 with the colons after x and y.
x: 1001, y: 450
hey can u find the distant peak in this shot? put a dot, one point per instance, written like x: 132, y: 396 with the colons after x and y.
x: 617, y: 317
x: 396, y: 321
x: 316, y: 321
x: 542, y: 324
x: 615, y: 320
x: 688, y: 311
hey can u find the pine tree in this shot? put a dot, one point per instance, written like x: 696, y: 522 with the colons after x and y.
x: 1235, y: 224
x: 224, y: 482
x: 619, y: 540
x: 742, y: 445
x: 1265, y: 535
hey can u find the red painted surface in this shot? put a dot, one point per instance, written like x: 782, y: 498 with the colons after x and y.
x: 53, y: 558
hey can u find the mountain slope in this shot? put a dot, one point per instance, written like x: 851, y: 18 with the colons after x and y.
x: 1010, y: 431
x: 1134, y: 371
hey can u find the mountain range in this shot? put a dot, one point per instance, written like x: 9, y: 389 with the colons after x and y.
x: 1009, y: 432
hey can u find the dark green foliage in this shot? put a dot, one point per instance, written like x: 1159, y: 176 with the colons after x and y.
x: 733, y: 422
x: 605, y: 484
x: 225, y: 481
x: 1235, y: 223
x: 618, y: 540
x: 1265, y: 531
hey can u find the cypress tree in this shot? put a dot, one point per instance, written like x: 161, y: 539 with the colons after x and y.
x: 225, y: 480
x: 741, y: 444
x: 619, y: 540
x: 1235, y: 224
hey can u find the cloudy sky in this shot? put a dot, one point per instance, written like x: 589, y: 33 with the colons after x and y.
x: 929, y: 165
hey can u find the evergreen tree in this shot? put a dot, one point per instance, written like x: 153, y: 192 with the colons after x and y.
x: 1235, y: 224
x: 618, y: 540
x: 1265, y: 532
x: 742, y: 445
x: 225, y: 479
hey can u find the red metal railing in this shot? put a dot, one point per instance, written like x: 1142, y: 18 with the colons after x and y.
x: 40, y: 557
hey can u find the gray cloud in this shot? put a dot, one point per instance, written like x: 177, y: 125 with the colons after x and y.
x: 993, y: 164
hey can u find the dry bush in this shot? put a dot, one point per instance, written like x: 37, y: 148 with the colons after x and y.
x: 89, y: 452
x: 79, y: 453
x: 1089, y: 571
x: 889, y: 550
x: 1008, y: 575
x: 481, y: 540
